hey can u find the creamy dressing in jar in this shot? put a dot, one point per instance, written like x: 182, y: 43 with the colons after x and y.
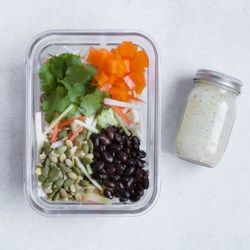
x: 208, y: 118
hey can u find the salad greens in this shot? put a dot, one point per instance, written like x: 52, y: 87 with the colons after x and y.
x: 65, y: 80
x: 106, y: 118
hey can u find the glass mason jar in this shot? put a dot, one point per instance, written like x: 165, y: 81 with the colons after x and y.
x: 208, y: 118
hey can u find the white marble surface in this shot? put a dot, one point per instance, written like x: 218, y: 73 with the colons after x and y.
x: 199, y: 208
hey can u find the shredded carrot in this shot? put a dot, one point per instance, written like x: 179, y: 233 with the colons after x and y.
x: 123, y: 116
x: 65, y: 123
x: 135, y: 99
x: 76, y: 132
x: 68, y: 122
x: 54, y: 135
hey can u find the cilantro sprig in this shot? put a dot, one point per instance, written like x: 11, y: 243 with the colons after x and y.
x: 64, y: 81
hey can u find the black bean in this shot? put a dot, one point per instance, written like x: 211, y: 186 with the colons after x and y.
x: 118, y: 137
x: 109, y: 183
x: 131, y: 162
x: 141, y: 192
x: 97, y: 176
x: 105, y: 177
x: 110, y: 168
x: 140, y: 163
x: 106, y: 156
x: 138, y: 174
x: 96, y: 141
x: 110, y: 131
x: 108, y: 193
x: 96, y: 154
x: 119, y: 169
x: 135, y: 198
x: 101, y: 148
x: 145, y: 183
x: 104, y: 139
x: 142, y: 154
x: 128, y: 182
x: 103, y: 171
x: 134, y: 153
x: 127, y: 150
x: 117, y: 161
x: 98, y: 165
x: 122, y: 156
x: 115, y: 177
x: 129, y: 171
x: 119, y: 185
x: 114, y: 147
x: 123, y: 200
x: 123, y: 194
x: 135, y: 140
x: 146, y: 173
x: 128, y: 143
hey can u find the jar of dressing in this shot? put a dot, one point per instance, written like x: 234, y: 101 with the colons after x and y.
x: 208, y: 118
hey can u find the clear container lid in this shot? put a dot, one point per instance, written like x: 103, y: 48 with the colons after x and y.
x: 57, y: 42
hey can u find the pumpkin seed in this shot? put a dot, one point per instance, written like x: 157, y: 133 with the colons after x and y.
x: 56, y: 196
x: 79, y: 153
x: 47, y: 190
x: 80, y: 137
x: 58, y: 183
x: 69, y: 143
x: 72, y: 175
x: 67, y: 183
x: 46, y: 148
x: 54, y: 171
x: 91, y: 145
x: 42, y: 156
x: 78, y: 187
x: 85, y: 148
x: 84, y: 183
x: 69, y: 163
x: 45, y: 171
x: 62, y: 134
x: 68, y: 153
x: 60, y: 150
x: 72, y: 188
x: 87, y: 159
x: 65, y: 199
x: 47, y: 162
x: 41, y: 178
x: 47, y: 184
x: 63, y: 193
x: 70, y: 196
x: 73, y: 150
x: 49, y: 196
x: 63, y: 168
x: 38, y: 170
x: 53, y: 158
x: 76, y: 170
x: 62, y: 157
x: 78, y: 196
x: 52, y: 179
x: 60, y: 174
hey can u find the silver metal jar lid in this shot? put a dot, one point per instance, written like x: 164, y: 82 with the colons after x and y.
x: 220, y: 78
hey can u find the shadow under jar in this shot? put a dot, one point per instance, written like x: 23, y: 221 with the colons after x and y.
x: 208, y: 118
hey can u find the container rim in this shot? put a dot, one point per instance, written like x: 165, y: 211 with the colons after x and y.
x: 156, y: 110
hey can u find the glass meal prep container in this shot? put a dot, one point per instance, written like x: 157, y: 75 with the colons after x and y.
x: 58, y: 42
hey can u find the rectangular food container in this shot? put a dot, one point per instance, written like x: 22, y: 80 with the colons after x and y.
x: 57, y: 42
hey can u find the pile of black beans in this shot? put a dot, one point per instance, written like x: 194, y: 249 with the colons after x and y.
x: 119, y: 164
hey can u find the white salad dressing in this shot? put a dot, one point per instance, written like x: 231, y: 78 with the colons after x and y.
x: 207, y: 123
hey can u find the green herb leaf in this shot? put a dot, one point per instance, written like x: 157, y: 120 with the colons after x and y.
x: 92, y: 103
x: 64, y: 79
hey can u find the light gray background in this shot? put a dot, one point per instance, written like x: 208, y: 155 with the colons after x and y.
x: 198, y: 208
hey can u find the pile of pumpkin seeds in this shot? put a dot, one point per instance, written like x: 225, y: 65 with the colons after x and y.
x: 57, y: 173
